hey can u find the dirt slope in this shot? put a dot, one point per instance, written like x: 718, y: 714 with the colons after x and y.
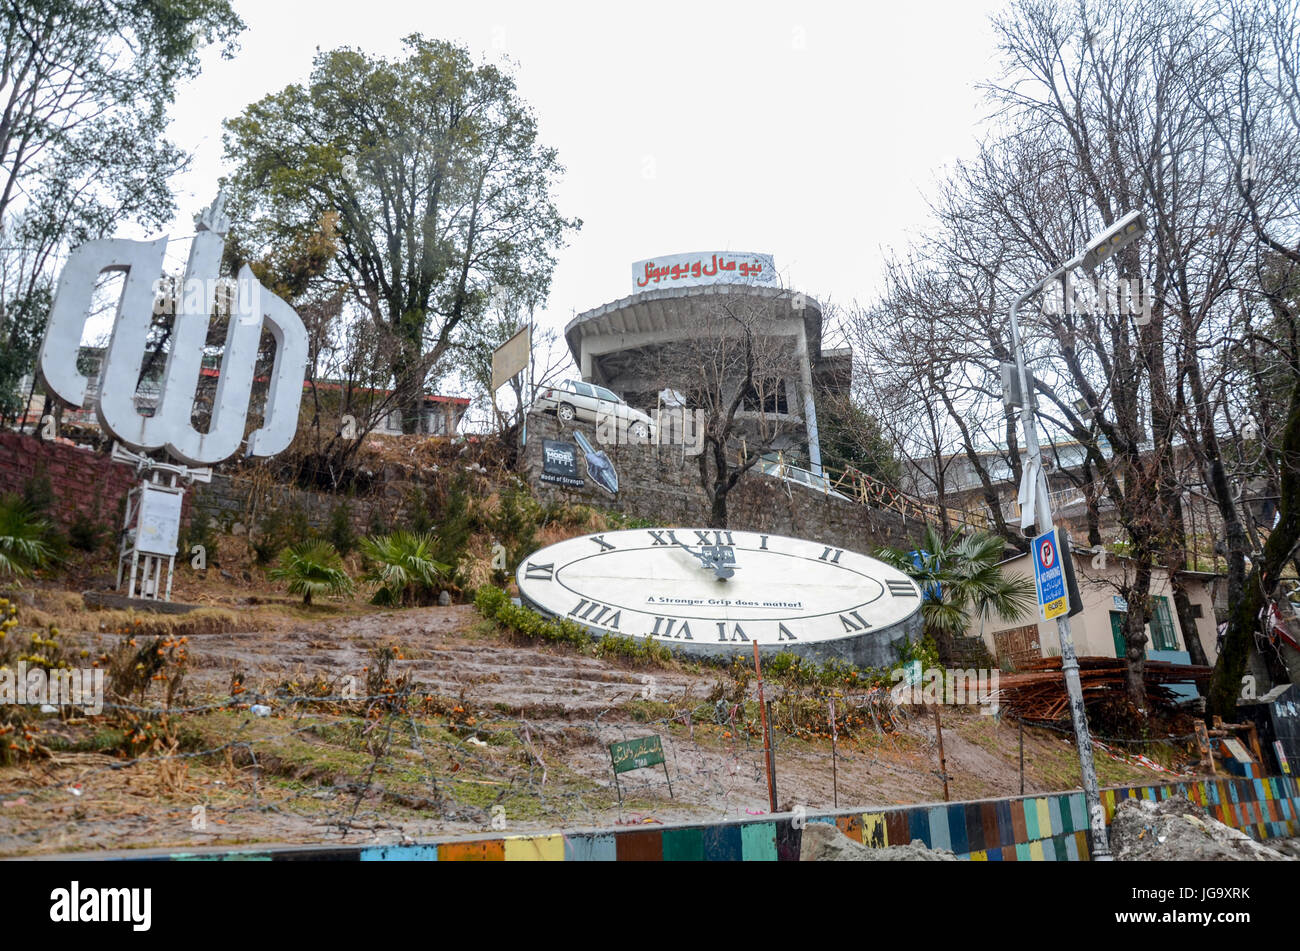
x: 515, y: 739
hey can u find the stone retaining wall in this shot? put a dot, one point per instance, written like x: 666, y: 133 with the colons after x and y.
x: 81, y: 481
x: 661, y: 484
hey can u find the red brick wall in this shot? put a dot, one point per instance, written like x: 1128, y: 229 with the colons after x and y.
x: 80, y: 480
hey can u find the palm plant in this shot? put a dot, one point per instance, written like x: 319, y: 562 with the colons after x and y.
x: 961, y: 581
x: 24, y: 538
x: 313, y: 568
x: 403, y: 566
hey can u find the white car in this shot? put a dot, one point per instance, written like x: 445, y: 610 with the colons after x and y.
x: 573, y: 399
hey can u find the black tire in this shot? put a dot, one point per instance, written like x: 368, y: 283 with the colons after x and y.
x: 640, y: 430
x: 566, y: 412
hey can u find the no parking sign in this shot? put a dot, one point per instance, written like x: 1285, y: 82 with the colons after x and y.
x: 1049, y: 576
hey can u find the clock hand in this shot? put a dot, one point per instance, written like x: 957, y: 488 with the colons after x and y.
x: 714, y: 560
x: 724, y: 562
x: 705, y: 560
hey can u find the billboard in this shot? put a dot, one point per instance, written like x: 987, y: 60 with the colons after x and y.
x: 702, y: 268
x: 511, y: 357
x: 560, y: 464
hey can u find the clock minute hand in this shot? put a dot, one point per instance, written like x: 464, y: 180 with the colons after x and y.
x: 705, y: 560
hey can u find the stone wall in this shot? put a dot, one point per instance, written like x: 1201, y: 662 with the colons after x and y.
x: 91, y: 484
x: 657, y: 484
x: 662, y: 485
x: 81, y: 481
x: 246, y: 500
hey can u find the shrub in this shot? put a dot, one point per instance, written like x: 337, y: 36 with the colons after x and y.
x: 514, y: 523
x: 403, y: 566
x: 495, y: 605
x: 455, y: 524
x: 282, y: 527
x: 25, y: 538
x: 340, y: 533
x: 312, y: 568
x: 38, y: 493
x: 86, y: 535
x: 201, y: 531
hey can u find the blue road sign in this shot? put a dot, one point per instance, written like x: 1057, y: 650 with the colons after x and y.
x: 1049, y: 576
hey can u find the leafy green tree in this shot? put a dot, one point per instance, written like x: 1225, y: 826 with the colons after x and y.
x: 84, y: 93
x: 86, y: 88
x: 442, y: 191
x: 850, y: 436
x: 961, y: 581
x: 312, y: 569
x: 22, y: 325
x: 403, y: 566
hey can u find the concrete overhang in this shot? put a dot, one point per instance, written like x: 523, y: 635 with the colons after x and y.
x: 643, y: 318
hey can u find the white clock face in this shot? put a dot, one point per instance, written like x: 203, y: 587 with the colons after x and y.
x: 711, y: 591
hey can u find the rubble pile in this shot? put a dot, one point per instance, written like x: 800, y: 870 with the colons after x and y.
x: 1178, y: 830
x: 823, y: 842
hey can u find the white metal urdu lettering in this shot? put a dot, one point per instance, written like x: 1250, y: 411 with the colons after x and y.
x: 141, y: 260
x: 171, y: 426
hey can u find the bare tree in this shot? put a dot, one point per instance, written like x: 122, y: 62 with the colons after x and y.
x: 741, y: 374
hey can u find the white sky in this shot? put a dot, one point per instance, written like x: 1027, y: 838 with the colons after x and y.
x: 811, y: 132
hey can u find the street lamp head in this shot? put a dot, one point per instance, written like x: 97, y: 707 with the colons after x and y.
x: 1119, y: 235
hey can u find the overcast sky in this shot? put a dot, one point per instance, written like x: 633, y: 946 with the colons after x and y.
x: 812, y: 131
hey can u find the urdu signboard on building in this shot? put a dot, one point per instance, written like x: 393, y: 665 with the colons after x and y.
x: 702, y: 268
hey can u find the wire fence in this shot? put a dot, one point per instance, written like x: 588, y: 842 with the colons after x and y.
x: 334, y: 766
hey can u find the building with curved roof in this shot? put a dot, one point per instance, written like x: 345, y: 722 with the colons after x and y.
x: 682, y: 300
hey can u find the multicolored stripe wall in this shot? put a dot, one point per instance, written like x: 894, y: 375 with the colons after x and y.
x: 1023, y: 829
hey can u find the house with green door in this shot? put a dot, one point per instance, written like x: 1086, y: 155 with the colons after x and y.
x: 1104, y: 585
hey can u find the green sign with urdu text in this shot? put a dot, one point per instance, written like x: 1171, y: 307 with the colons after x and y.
x: 636, y: 754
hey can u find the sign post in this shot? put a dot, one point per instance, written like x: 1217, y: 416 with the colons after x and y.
x: 1036, y: 506
x: 508, y: 361
x: 511, y: 358
x: 1049, y: 576
x: 638, y: 754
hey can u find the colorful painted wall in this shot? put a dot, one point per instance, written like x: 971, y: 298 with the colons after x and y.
x: 1029, y: 829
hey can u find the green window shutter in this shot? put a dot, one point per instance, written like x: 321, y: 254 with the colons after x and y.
x: 1163, y: 636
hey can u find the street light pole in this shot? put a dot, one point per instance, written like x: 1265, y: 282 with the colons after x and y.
x: 1123, y: 232
x: 1069, y: 660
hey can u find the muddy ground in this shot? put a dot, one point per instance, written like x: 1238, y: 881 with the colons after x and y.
x: 499, y: 735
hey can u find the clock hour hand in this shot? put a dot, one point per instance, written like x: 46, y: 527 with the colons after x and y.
x: 720, y: 558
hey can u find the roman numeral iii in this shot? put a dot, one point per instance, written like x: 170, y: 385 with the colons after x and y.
x: 593, y: 612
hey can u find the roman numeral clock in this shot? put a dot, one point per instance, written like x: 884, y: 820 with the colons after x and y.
x: 710, y: 592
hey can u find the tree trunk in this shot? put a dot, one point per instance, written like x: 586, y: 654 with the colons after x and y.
x: 1191, y: 635
x: 1135, y: 636
x: 1243, y: 620
x: 718, y: 510
x: 1090, y: 500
